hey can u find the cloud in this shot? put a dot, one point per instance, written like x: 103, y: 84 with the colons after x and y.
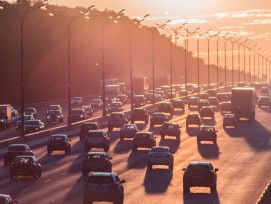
x: 260, y: 22
x: 243, y: 14
x: 231, y: 27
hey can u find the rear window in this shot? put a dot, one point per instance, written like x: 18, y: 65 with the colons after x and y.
x: 32, y: 122
x: 159, y: 150
x: 100, y: 179
x: 207, y: 129
x: 57, y: 138
x: 143, y: 136
x: 77, y: 111
x: 116, y: 116
x: 95, y: 157
x: 16, y: 148
x: 89, y: 127
x: 23, y: 160
x: 94, y: 139
x: 198, y: 169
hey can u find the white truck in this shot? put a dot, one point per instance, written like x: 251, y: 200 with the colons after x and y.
x: 112, y: 91
x: 5, y: 116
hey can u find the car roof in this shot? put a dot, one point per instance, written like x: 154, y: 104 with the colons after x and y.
x: 102, y: 174
x: 117, y: 113
x: 192, y: 114
x: 26, y: 156
x: 170, y: 123
x: 158, y: 113
x: 12, y: 145
x: 160, y: 147
x: 95, y: 153
x: 89, y: 123
x: 59, y: 135
x: 200, y: 163
x: 4, y: 196
x: 96, y: 131
x: 144, y: 132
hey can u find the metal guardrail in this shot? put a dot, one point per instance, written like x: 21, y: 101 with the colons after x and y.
x: 266, y: 195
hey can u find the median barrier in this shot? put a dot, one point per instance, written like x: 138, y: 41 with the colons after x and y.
x: 266, y: 195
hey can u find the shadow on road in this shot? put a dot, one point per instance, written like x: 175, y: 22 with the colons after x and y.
x: 208, y: 121
x: 204, y: 198
x: 123, y: 146
x: 209, y: 151
x: 192, y: 131
x: 170, y: 142
x: 138, y: 159
x: 157, y: 180
x: 141, y: 126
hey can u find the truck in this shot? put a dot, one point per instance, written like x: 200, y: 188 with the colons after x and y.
x: 122, y: 87
x: 243, y: 102
x: 112, y: 91
x: 5, y: 116
x: 140, y: 85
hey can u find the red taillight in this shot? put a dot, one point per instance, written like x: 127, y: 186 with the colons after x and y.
x: 114, y: 186
x: 87, y: 185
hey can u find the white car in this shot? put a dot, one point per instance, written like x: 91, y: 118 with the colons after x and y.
x: 77, y: 101
x: 6, y: 199
x: 160, y: 155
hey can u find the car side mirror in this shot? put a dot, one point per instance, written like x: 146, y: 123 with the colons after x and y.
x: 184, y: 169
x: 216, y: 169
x: 122, y: 181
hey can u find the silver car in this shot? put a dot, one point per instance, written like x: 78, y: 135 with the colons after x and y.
x: 160, y: 156
x: 6, y: 199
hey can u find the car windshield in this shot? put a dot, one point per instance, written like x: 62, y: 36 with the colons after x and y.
x: 32, y: 122
x: 95, y: 156
x: 57, y: 138
x: 77, y: 111
x: 117, y: 105
x: 94, y: 139
x: 23, y: 160
x: 160, y: 150
x: 169, y: 126
x: 54, y: 108
x: 207, y: 129
x: 198, y: 169
x: 89, y: 127
x: 55, y: 112
x: 95, y: 101
x: 129, y: 127
x: 100, y: 179
x: 158, y: 115
x: 16, y: 148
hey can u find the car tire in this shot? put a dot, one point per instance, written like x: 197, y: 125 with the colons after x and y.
x: 149, y: 166
x: 162, y: 137
x: 215, y: 142
x: 118, y: 201
x: 49, y: 151
x: 186, y: 189
x: 35, y: 175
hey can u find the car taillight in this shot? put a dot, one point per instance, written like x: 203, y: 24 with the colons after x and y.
x: 87, y: 185
x: 114, y: 186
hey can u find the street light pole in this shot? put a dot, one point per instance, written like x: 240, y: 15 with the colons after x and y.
x: 22, y: 18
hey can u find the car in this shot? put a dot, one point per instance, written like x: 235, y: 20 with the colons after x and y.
x: 103, y: 186
x: 59, y: 142
x: 33, y: 126
x: 6, y: 199
x: 139, y: 101
x: 33, y: 111
x: 225, y: 107
x: 16, y: 150
x: 88, y: 110
x: 222, y: 97
x: 115, y: 107
x: 178, y: 104
x: 182, y: 92
x: 199, y: 173
x: 158, y: 118
x: 143, y: 139
x: 123, y: 98
x: 86, y: 126
x: 77, y: 101
x: 204, y: 96
x: 96, y: 161
x: 166, y: 107
x: 193, y: 119
x: 25, y: 165
x: 140, y: 114
x: 207, y: 112
x: 212, y: 92
x: 264, y: 101
x: 193, y: 102
x: 229, y: 120
x: 160, y: 155
x: 149, y: 97
x: 96, y: 103
x: 170, y: 129
x: 78, y: 114
x: 213, y: 102
x: 207, y: 133
x: 97, y: 139
x: 117, y: 119
x: 14, y: 116
x: 55, y: 116
x: 53, y: 107
x: 203, y: 102
x: 170, y: 95
x: 128, y: 131
x: 19, y: 121
x: 265, y: 91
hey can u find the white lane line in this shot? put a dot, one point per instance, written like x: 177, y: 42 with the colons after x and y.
x: 47, y: 181
x: 64, y: 174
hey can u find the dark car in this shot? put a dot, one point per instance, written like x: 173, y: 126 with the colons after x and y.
x: 77, y: 101
x: 16, y: 150
x: 229, y: 120
x: 86, y: 126
x: 102, y: 186
x: 204, y: 96
x: 212, y: 93
x: 207, y: 112
x: 33, y: 111
x: 115, y: 107
x: 225, y: 107
x: 149, y: 97
x: 53, y: 107
x: 193, y: 102
x: 33, y: 126
x: 59, y: 142
x: 78, y: 114
x: 264, y: 101
x: 222, y: 97
x: 6, y: 199
x: 96, y: 104
x: 88, y: 110
x: 201, y: 174
x: 158, y: 118
x: 97, y: 139
x: 143, y: 139
x: 170, y: 129
x: 117, y: 119
x: 203, y: 102
x: 139, y: 114
x: 19, y: 121
x: 213, y: 102
x: 25, y: 165
x: 123, y: 98
x: 178, y: 104
x: 207, y: 133
x: 138, y: 101
x: 128, y: 131
x: 55, y: 116
x: 193, y: 119
x: 96, y: 161
x: 160, y: 156
x: 166, y: 107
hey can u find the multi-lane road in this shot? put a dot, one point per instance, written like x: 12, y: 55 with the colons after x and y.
x: 242, y: 156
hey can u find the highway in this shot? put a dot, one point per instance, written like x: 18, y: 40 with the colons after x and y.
x: 242, y: 156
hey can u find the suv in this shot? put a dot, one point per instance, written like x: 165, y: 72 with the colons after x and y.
x: 26, y: 166
x: 207, y: 112
x: 115, y: 107
x: 166, y: 107
x: 19, y: 121
x: 96, y: 161
x: 193, y: 119
x: 78, y: 114
x: 213, y: 102
x: 16, y: 150
x: 171, y: 129
x: 207, y: 133
x: 29, y: 111
x: 97, y: 139
x: 55, y: 116
x: 117, y: 119
x: 178, y: 103
x: 201, y: 174
x: 33, y: 126
x: 59, y: 142
x: 102, y: 186
x: 77, y: 101
x: 86, y: 126
x: 143, y: 139
x: 229, y: 120
x: 139, y: 114
x: 225, y: 107
x: 264, y: 101
x: 53, y: 107
x: 158, y: 118
x: 138, y: 101
x: 203, y: 102
x: 96, y: 104
x: 128, y: 131
x: 193, y: 102
x: 89, y: 110
x: 160, y: 156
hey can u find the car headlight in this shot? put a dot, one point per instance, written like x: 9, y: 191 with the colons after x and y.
x: 58, y: 116
x: 81, y: 116
x: 2, y: 120
x: 48, y: 117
